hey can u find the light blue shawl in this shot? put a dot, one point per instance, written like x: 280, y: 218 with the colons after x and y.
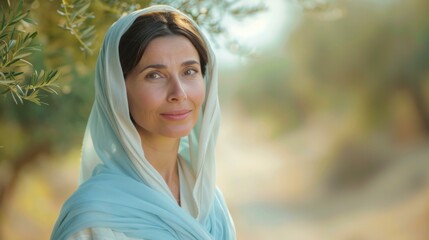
x: 119, y: 188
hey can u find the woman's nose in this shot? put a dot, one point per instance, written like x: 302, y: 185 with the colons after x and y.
x: 177, y: 91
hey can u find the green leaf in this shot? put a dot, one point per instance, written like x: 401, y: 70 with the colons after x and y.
x: 18, y: 18
x: 80, y: 12
x: 61, y: 12
x: 23, y: 55
x: 3, y: 21
x: 11, y: 44
x: 32, y: 49
x: 42, y: 73
x: 29, y: 20
x: 13, y: 74
x: 88, y: 32
x: 6, y: 82
x: 20, y: 5
x: 53, y: 74
x: 12, y: 62
x: 21, y: 92
x: 3, y: 35
x: 17, y: 96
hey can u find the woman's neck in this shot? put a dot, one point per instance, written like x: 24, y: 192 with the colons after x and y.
x: 162, y: 154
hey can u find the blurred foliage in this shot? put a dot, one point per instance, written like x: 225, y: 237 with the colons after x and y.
x: 355, y: 63
x: 355, y: 78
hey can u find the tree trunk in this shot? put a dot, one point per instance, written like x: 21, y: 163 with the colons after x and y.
x: 22, y: 161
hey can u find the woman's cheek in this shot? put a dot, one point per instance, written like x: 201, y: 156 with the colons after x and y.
x: 201, y: 93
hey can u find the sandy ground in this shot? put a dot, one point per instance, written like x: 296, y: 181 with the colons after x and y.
x: 261, y: 178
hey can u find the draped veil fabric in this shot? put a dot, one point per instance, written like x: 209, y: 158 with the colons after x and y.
x: 119, y: 189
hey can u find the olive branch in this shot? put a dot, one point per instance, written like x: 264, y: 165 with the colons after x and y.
x: 15, y: 46
x: 77, y: 18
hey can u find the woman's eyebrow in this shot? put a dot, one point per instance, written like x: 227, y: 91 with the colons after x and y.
x: 190, y: 62
x: 162, y: 66
x: 158, y: 66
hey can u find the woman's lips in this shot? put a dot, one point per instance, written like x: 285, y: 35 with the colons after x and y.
x: 176, y: 115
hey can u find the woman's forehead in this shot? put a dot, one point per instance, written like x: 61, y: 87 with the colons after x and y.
x: 169, y: 48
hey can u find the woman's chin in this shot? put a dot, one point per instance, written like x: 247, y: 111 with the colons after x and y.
x: 178, y: 133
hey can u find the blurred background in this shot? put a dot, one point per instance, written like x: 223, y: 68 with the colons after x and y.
x: 325, y: 118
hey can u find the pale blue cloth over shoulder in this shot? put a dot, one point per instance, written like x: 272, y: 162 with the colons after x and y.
x: 119, y: 188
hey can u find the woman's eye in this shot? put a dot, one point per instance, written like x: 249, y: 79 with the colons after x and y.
x: 190, y: 72
x: 153, y: 75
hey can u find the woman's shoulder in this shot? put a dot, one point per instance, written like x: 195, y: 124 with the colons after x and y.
x: 101, y: 187
x: 97, y: 199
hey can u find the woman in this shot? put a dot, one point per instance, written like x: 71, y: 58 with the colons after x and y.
x: 148, y: 169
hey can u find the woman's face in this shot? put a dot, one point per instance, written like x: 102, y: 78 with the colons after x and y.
x: 166, y: 88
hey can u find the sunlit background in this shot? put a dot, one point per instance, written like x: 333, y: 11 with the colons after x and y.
x: 324, y: 134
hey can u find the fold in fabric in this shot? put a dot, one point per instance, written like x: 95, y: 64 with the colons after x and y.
x: 119, y: 188
x: 151, y: 215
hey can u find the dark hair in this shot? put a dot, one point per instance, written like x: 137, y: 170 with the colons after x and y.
x: 157, y: 24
